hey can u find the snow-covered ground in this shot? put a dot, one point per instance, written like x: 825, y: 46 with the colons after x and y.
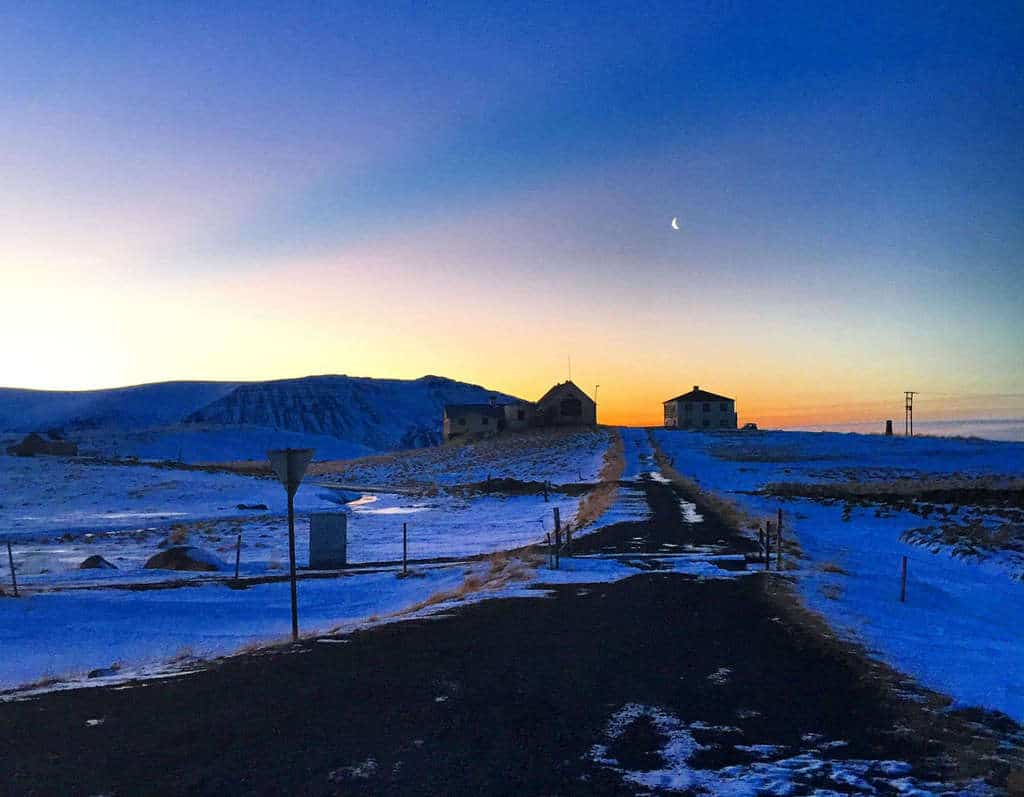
x: 556, y: 457
x: 959, y: 630
x: 116, y: 634
x: 198, y: 443
x: 42, y: 497
x: 58, y: 512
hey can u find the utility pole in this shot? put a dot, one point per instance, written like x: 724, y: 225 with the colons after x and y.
x: 908, y: 417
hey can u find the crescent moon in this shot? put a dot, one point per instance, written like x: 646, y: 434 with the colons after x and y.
x: 675, y: 222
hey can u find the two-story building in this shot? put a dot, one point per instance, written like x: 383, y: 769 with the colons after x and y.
x: 700, y: 409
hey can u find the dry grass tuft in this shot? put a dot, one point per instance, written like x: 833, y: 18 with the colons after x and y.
x: 597, y: 501
x: 964, y: 490
x: 503, y: 568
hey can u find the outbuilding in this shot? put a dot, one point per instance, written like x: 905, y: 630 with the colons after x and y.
x: 473, y: 420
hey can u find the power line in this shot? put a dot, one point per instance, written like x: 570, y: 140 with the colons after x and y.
x: 908, y: 418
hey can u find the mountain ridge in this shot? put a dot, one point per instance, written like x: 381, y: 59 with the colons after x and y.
x: 369, y: 413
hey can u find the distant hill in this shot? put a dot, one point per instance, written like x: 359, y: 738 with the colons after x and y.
x: 340, y: 416
x: 126, y: 408
x: 382, y: 414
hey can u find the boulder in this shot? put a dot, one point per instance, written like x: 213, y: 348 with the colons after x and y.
x: 35, y: 444
x: 185, y: 557
x: 96, y: 562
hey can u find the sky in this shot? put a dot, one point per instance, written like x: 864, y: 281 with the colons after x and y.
x: 484, y: 191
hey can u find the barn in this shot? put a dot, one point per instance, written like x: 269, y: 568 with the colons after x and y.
x: 566, y: 405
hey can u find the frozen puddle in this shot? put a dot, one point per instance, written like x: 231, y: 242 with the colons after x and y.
x: 777, y: 770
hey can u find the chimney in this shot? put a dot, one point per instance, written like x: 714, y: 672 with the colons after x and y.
x: 696, y: 388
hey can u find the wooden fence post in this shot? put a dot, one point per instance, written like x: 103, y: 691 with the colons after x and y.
x: 10, y: 560
x: 558, y: 537
x: 238, y: 553
x: 768, y: 545
x: 903, y: 582
x: 778, y: 541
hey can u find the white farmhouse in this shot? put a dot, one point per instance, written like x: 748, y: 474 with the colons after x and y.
x: 700, y: 409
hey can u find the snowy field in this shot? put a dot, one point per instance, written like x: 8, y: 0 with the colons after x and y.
x: 959, y: 630
x: 58, y: 512
x: 556, y: 457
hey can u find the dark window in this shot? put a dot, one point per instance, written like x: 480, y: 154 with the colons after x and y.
x: 462, y: 421
x: 707, y: 407
x: 485, y: 421
x: 721, y: 407
x: 571, y: 407
x: 521, y: 415
x: 707, y: 422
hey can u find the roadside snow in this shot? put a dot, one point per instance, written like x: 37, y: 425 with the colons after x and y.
x: 958, y: 631
x: 129, y: 634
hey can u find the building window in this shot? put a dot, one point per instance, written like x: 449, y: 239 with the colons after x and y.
x: 707, y: 422
x: 721, y: 407
x: 707, y: 407
x: 571, y: 407
x: 462, y: 421
x: 485, y: 421
x: 521, y: 415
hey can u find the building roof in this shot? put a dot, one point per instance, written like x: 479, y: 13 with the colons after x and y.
x: 698, y: 395
x: 568, y: 384
x: 489, y: 410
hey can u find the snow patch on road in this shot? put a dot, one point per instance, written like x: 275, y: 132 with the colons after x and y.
x: 811, y: 770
